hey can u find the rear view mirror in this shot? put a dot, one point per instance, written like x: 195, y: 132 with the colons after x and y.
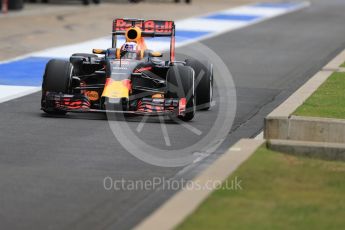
x: 99, y: 51
x: 156, y: 54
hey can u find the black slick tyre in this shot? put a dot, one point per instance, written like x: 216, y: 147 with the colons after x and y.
x: 180, y: 84
x: 203, y: 83
x: 57, y: 78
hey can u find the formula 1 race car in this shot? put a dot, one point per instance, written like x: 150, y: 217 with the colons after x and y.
x: 130, y: 79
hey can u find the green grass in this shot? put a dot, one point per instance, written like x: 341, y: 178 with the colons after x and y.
x: 327, y: 101
x: 279, y: 192
x: 343, y: 65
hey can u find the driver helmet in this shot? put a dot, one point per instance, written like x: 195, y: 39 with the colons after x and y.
x: 131, y: 50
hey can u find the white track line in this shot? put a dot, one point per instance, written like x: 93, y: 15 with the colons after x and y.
x: 9, y: 92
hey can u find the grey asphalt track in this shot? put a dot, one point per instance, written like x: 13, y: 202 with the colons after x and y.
x: 52, y: 169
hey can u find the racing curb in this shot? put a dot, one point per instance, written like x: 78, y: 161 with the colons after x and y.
x: 310, y: 135
x: 181, y: 205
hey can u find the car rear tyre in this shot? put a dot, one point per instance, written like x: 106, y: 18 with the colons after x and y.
x: 180, y: 84
x: 203, y: 83
x: 57, y: 78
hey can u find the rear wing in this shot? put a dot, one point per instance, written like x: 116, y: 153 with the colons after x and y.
x: 149, y: 28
